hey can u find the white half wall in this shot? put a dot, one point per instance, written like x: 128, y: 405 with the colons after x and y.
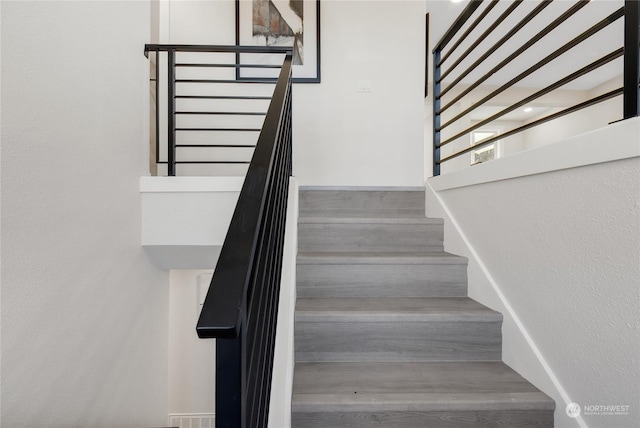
x: 84, y: 312
x: 284, y: 357
x: 555, y: 247
x: 185, y: 219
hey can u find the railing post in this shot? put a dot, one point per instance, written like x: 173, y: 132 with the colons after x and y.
x: 229, y: 381
x: 171, y: 113
x: 436, y: 112
x: 157, y: 95
x: 631, y: 58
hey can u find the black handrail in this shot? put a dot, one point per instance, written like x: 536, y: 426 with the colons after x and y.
x: 241, y: 307
x: 630, y: 91
x: 174, y: 130
x: 215, y: 48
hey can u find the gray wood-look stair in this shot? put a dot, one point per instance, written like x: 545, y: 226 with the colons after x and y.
x: 396, y: 329
x: 385, y: 334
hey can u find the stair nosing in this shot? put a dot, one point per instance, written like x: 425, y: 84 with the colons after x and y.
x: 475, y: 313
x: 366, y: 258
x: 386, y: 309
x: 369, y: 220
x: 448, y: 401
x: 386, y: 317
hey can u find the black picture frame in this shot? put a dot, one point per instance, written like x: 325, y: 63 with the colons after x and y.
x: 309, y: 73
x: 426, y: 56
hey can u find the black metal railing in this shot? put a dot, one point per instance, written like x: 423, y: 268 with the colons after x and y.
x: 216, y: 100
x: 241, y: 307
x: 455, y: 96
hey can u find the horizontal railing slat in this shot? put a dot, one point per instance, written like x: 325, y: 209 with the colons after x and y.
x: 483, y: 36
x: 631, y: 70
x: 205, y: 65
x: 500, y: 42
x: 471, y: 27
x: 572, y: 109
x: 573, y: 76
x: 457, y: 25
x: 554, y: 24
x: 547, y: 59
x: 189, y: 102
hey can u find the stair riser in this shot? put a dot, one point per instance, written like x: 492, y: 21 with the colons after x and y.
x: 388, y: 203
x: 370, y: 237
x: 389, y: 280
x: 431, y: 419
x: 398, y: 341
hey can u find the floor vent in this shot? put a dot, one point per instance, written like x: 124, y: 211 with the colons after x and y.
x: 192, y: 420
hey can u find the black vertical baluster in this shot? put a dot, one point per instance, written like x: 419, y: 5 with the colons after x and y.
x: 631, y: 58
x: 171, y: 112
x: 436, y: 112
x: 229, y: 363
x: 244, y: 362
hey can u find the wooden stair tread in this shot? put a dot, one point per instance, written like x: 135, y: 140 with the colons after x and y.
x: 435, y: 257
x: 407, y: 309
x: 404, y: 386
x: 365, y: 218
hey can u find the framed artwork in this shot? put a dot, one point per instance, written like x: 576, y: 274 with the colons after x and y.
x: 294, y: 23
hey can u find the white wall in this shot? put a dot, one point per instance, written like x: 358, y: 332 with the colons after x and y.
x: 593, y: 117
x: 84, y: 313
x: 192, y: 361
x: 343, y: 137
x: 555, y: 249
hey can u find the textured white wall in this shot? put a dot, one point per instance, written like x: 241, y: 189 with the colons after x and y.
x: 84, y: 313
x: 558, y: 253
x: 343, y: 137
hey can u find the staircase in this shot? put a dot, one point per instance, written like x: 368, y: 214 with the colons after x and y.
x: 385, y: 335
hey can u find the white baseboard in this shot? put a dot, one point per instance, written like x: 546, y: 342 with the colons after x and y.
x: 192, y: 420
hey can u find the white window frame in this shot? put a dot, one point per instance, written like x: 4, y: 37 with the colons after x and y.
x: 497, y: 145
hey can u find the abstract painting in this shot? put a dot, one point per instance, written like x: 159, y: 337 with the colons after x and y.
x: 294, y: 23
x: 280, y: 23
